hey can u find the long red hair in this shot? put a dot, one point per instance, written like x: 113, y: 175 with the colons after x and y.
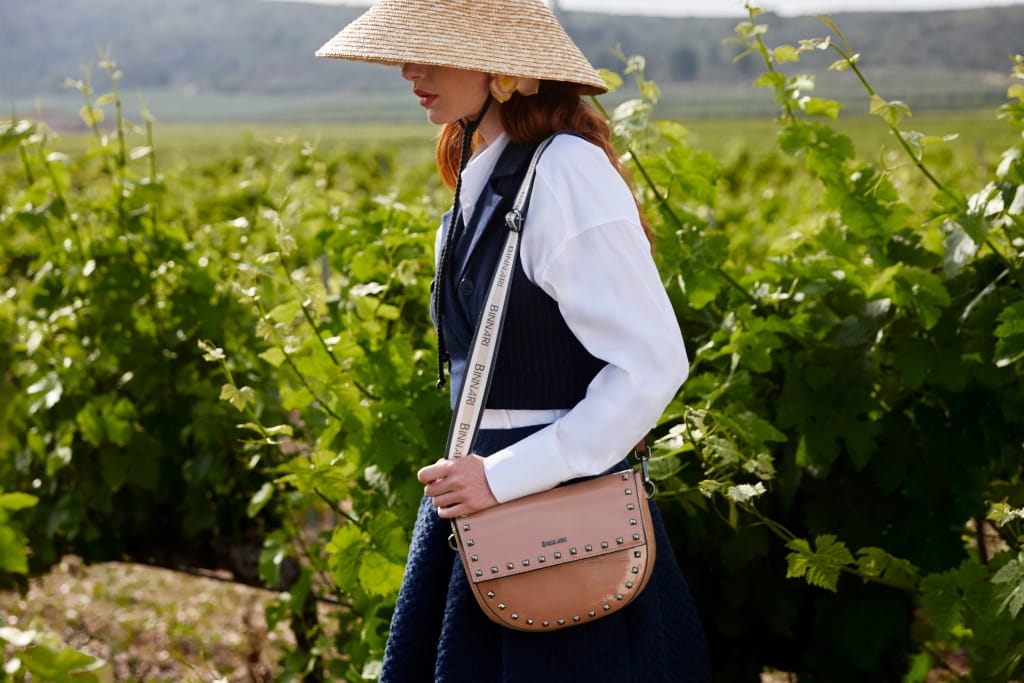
x: 556, y: 107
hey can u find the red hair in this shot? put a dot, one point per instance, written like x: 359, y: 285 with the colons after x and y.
x: 556, y: 107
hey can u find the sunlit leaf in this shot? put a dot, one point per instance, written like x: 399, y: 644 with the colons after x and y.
x: 612, y: 80
x: 260, y: 499
x: 785, y: 53
x: 821, y: 566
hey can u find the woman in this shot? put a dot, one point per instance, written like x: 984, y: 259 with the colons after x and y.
x: 590, y: 354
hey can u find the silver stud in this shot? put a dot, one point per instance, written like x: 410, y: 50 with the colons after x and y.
x: 558, y: 556
x: 576, y: 618
x: 561, y: 622
x: 591, y: 613
x: 529, y: 622
x: 475, y: 558
x: 510, y: 566
x: 636, y: 537
x: 632, y: 522
x: 542, y: 558
x: 545, y: 623
x: 604, y: 544
x: 625, y: 477
x: 629, y: 492
x: 619, y: 596
x: 501, y: 605
x: 490, y: 594
x: 526, y: 563
x: 465, y: 527
x: 470, y: 542
x: 635, y: 570
x: 620, y: 540
x: 494, y: 570
x: 629, y: 584
x: 631, y: 506
x: 637, y: 553
x: 606, y: 607
x: 478, y: 572
x: 514, y: 616
x: 588, y: 547
x: 573, y: 551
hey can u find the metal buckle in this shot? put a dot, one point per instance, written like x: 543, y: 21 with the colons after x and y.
x: 514, y: 220
x: 643, y: 456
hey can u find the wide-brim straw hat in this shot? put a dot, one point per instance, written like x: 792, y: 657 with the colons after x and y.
x: 508, y: 37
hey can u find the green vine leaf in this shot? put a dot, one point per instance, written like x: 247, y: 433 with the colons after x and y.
x: 1010, y: 332
x: 239, y: 397
x: 1012, y: 575
x: 895, y: 571
x: 785, y: 53
x: 612, y: 80
x: 1001, y: 514
x: 958, y: 250
x: 261, y: 498
x: 378, y: 574
x: 819, y: 567
x: 891, y: 112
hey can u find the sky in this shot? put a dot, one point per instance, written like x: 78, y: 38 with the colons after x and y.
x: 735, y: 7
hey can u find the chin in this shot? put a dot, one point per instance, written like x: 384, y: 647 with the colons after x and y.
x: 437, y: 118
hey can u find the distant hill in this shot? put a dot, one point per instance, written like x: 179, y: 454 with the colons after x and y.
x: 254, y: 47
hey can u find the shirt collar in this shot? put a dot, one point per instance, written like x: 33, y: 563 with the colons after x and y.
x: 476, y: 173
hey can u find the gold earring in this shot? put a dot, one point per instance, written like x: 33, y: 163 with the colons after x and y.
x: 502, y: 87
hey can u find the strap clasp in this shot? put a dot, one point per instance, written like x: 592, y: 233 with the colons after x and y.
x: 514, y: 220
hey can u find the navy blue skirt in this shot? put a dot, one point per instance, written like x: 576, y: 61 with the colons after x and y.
x: 439, y: 634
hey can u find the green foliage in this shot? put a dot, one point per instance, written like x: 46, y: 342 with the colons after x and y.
x: 13, y: 551
x: 821, y: 566
x: 108, y: 415
x: 36, y: 656
x: 869, y: 316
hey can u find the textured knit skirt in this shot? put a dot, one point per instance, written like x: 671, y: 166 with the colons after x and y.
x: 440, y: 634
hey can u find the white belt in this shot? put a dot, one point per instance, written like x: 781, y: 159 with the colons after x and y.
x: 510, y: 419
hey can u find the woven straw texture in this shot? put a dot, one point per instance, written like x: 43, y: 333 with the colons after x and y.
x: 511, y: 37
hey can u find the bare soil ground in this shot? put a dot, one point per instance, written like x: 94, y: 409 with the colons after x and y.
x: 152, y: 624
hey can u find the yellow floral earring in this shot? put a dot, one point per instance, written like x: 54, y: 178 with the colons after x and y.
x: 502, y: 86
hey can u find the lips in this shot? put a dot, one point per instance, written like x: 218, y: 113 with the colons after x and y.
x: 426, y: 98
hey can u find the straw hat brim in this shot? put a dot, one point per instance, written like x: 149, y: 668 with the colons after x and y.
x: 510, y: 37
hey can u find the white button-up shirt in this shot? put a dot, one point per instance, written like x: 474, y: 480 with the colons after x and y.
x: 584, y: 246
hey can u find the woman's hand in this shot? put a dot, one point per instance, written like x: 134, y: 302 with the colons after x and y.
x: 457, y: 487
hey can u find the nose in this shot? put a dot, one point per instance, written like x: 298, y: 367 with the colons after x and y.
x: 411, y: 71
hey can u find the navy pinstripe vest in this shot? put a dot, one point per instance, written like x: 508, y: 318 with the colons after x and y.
x: 541, y: 364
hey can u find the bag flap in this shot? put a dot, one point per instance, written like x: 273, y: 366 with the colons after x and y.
x: 569, y: 523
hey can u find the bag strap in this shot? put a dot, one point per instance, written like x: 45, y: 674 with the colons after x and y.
x: 480, y: 365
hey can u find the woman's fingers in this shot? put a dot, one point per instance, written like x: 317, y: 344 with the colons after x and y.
x: 457, y: 487
x: 436, y: 471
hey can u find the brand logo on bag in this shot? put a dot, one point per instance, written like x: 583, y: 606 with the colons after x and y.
x: 554, y: 541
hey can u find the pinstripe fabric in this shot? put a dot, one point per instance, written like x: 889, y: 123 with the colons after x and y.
x: 549, y: 368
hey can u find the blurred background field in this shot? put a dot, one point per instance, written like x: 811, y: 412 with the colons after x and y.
x: 978, y: 132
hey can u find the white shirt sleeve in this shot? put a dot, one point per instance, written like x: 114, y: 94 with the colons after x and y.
x: 584, y: 246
